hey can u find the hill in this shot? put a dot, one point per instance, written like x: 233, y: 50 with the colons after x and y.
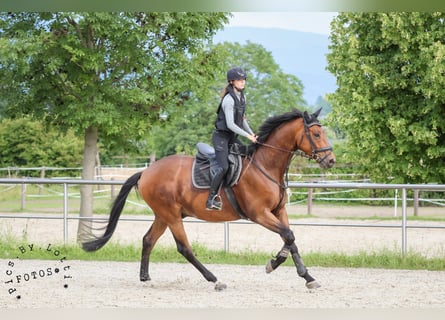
x: 302, y: 54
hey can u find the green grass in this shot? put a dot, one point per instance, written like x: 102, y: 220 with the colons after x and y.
x: 387, y: 259
x: 49, y: 199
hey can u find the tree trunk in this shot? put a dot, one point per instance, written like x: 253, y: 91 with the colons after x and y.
x: 86, y: 191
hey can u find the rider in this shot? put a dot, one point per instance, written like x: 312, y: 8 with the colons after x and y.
x: 230, y: 122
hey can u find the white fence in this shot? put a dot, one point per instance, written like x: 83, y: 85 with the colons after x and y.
x: 310, y: 195
x: 293, y: 185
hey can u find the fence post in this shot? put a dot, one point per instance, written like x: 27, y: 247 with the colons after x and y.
x: 112, y: 189
x: 42, y: 176
x: 226, y: 236
x: 23, y: 196
x: 65, y: 213
x: 404, y: 243
x: 416, y: 202
x: 309, y: 200
x: 395, y: 202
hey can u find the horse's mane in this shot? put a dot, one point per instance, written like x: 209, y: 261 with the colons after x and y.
x: 274, y: 122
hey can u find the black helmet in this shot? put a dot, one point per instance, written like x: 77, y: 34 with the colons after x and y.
x: 236, y: 74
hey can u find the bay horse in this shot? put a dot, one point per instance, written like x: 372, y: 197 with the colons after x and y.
x: 166, y: 186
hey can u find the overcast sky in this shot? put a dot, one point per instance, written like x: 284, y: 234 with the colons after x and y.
x: 316, y: 22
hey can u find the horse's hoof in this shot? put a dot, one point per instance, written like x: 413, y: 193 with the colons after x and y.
x: 220, y: 286
x: 269, y: 267
x: 313, y: 285
x: 145, y: 278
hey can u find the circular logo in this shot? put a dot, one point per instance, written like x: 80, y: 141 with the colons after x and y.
x: 21, y: 273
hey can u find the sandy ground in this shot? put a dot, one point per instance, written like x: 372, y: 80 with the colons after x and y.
x: 92, y: 284
x: 116, y: 284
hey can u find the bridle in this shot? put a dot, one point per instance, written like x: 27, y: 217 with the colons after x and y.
x: 315, y: 151
x: 314, y: 155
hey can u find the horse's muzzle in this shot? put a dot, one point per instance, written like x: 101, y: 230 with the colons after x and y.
x: 327, y: 160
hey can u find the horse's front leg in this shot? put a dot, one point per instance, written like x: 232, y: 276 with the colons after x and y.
x: 278, y: 260
x: 286, y: 235
x: 311, y: 283
x: 279, y: 223
x: 290, y: 247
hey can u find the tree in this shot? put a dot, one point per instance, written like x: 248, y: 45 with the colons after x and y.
x: 26, y: 143
x: 390, y: 99
x: 269, y: 91
x: 102, y: 74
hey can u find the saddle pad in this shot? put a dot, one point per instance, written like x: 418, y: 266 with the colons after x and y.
x: 201, y: 175
x: 201, y: 172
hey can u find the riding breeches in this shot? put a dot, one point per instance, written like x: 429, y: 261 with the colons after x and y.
x: 222, y: 140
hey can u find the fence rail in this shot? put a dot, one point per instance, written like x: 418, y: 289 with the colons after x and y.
x: 297, y: 185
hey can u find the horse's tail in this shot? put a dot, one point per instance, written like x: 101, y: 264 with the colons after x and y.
x: 118, y: 205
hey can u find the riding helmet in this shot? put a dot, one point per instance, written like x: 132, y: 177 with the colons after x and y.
x: 236, y: 74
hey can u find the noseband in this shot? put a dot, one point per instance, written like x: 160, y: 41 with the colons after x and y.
x: 315, y: 151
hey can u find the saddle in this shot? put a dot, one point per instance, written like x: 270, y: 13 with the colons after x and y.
x: 205, y: 163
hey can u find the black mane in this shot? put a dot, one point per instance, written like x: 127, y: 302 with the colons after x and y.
x: 272, y: 123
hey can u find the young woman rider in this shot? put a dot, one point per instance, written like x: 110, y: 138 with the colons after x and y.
x: 230, y: 122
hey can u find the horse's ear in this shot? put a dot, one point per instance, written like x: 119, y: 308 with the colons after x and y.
x: 317, y: 113
x: 306, y: 117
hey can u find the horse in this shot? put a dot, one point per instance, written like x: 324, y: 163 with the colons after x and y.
x: 260, y: 192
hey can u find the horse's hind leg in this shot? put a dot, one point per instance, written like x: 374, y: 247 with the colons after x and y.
x: 185, y: 249
x: 156, y: 230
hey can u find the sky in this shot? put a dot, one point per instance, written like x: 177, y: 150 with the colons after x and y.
x: 316, y: 22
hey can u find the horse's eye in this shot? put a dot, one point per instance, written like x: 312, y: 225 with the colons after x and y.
x: 317, y: 135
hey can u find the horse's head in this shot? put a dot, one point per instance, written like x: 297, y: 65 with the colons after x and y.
x: 313, y: 141
x: 296, y: 130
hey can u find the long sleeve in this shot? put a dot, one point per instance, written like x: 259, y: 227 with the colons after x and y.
x: 247, y: 127
x: 227, y: 105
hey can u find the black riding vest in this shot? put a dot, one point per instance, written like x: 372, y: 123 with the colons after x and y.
x: 238, y: 117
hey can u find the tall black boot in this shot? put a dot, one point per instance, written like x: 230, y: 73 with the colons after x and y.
x: 214, y: 201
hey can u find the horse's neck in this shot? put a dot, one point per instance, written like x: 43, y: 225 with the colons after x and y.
x: 276, y: 154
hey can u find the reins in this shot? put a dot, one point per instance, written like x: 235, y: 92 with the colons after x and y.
x: 312, y: 156
x: 283, y: 187
x: 314, y: 153
x: 267, y: 175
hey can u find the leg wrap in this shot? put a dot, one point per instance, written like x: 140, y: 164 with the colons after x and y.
x: 284, y: 253
x: 301, y: 269
x: 280, y: 258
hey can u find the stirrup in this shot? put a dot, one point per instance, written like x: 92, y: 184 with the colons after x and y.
x: 215, y: 203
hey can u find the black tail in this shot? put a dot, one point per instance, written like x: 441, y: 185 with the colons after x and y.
x: 118, y: 205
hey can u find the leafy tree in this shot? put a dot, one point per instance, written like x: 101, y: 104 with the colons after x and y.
x: 390, y: 99
x: 26, y: 143
x: 269, y: 91
x: 106, y: 75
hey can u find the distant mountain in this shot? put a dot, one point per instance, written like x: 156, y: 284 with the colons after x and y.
x: 302, y: 54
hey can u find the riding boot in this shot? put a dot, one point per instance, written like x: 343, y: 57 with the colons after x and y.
x: 214, y: 201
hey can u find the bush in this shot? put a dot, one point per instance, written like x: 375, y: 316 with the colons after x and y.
x: 28, y: 143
